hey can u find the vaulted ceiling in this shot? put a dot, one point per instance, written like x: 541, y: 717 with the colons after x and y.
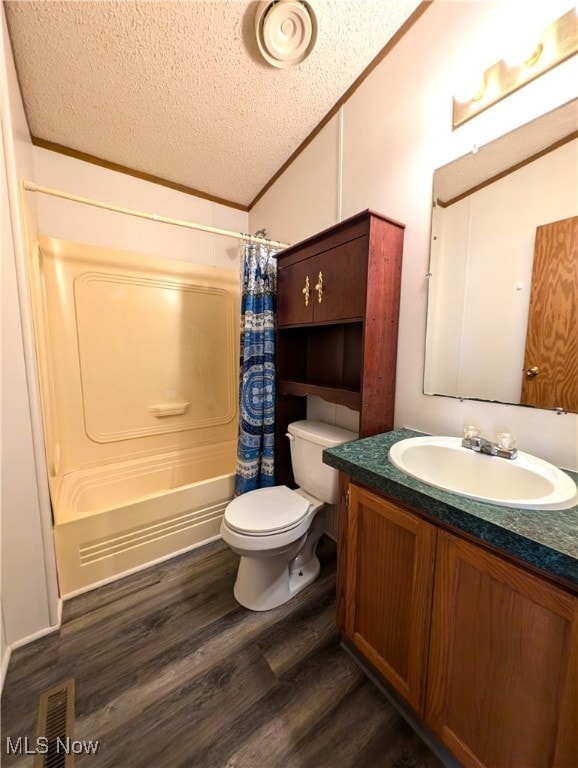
x: 178, y: 89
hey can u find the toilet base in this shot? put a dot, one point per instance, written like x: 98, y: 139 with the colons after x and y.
x: 281, y: 582
x: 269, y: 578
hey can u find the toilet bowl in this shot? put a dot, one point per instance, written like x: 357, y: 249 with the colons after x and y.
x: 275, y: 531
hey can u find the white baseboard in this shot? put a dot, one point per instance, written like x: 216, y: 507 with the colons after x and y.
x: 41, y: 632
x: 25, y: 641
x: 4, y: 667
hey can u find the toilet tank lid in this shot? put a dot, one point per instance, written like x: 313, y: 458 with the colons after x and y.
x: 323, y: 434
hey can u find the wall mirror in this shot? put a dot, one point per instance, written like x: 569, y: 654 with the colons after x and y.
x: 502, y: 320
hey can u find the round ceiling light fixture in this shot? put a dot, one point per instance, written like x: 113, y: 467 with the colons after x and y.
x: 286, y: 31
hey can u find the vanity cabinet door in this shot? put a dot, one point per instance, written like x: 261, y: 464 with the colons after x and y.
x: 388, y: 586
x: 503, y: 667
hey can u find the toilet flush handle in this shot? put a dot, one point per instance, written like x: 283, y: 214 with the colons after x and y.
x: 289, y: 435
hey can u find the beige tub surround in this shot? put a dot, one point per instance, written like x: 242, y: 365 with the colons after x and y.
x: 138, y: 360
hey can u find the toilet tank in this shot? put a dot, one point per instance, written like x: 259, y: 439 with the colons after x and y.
x: 308, y: 439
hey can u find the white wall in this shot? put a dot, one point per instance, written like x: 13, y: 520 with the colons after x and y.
x: 29, y: 590
x: 397, y: 130
x: 77, y: 222
x: 24, y: 599
x: 305, y: 199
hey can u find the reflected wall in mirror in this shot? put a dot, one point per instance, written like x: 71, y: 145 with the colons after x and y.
x: 504, y: 251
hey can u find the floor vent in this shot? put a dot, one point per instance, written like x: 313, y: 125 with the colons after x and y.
x: 55, y: 727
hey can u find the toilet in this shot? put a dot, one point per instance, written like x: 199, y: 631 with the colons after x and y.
x: 275, y: 530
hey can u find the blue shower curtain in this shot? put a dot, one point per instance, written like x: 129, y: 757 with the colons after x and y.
x: 255, y: 447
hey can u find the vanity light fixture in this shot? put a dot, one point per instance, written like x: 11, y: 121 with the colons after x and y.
x: 558, y: 42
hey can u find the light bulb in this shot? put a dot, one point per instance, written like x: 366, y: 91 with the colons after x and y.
x: 523, y: 50
x: 469, y: 87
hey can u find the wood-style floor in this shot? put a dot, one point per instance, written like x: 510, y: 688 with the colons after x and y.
x: 170, y: 671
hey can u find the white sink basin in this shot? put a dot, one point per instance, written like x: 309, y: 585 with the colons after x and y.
x: 525, y: 482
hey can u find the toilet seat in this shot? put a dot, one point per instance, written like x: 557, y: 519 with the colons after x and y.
x: 266, y: 511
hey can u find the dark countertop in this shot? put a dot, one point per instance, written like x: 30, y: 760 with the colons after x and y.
x: 545, y: 539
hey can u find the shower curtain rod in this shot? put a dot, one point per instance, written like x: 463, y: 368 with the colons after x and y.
x: 30, y: 186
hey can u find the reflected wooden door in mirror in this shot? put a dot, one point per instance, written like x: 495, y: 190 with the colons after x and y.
x: 551, y: 359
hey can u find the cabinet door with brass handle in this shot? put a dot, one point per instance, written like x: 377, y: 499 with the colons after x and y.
x: 295, y: 293
x: 341, y: 282
x: 306, y: 290
x: 328, y: 287
x: 319, y: 287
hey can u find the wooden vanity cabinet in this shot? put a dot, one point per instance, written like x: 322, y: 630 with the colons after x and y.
x: 337, y: 323
x: 502, y: 685
x: 484, y: 651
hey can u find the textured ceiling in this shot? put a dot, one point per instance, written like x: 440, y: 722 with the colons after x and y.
x: 178, y: 90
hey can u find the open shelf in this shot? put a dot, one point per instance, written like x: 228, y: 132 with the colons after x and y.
x: 349, y: 398
x: 324, y: 357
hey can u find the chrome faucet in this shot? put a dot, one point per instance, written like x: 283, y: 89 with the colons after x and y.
x: 504, y: 448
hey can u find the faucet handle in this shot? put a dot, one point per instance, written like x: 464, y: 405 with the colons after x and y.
x: 472, y: 438
x: 506, y: 441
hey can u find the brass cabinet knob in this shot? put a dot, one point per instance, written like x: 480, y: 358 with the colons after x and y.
x: 532, y: 372
x: 306, y: 291
x: 319, y: 288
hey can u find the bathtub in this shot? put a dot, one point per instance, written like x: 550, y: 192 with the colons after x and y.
x: 138, y: 359
x: 115, y: 519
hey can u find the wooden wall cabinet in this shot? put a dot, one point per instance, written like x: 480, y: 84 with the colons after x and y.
x: 485, y: 652
x: 337, y: 325
x: 324, y: 287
